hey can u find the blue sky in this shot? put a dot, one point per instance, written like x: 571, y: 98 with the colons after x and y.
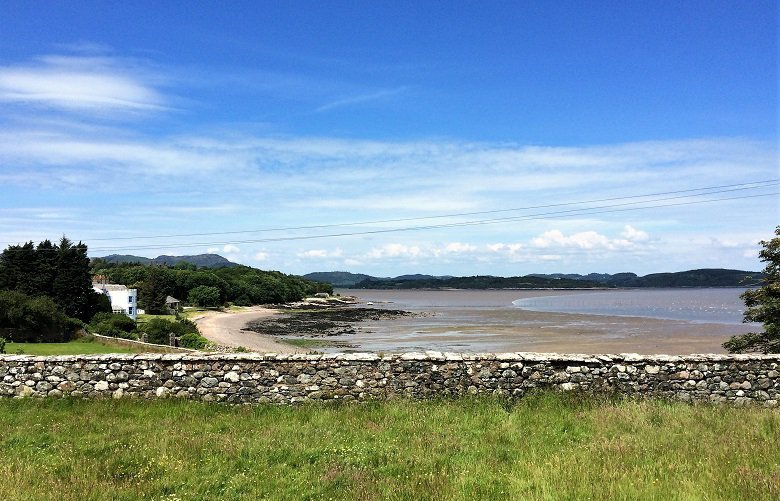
x: 450, y: 138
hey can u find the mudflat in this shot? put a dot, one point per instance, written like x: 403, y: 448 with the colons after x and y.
x: 487, y: 321
x: 462, y: 321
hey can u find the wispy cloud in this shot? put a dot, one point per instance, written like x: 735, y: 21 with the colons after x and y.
x: 79, y: 83
x: 361, y: 98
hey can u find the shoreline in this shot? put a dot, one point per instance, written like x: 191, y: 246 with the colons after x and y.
x: 461, y: 322
x: 227, y: 329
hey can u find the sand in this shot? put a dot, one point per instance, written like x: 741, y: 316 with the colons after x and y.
x: 226, y: 328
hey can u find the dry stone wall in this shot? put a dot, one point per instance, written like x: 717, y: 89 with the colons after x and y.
x: 259, y: 378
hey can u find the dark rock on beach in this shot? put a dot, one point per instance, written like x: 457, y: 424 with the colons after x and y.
x: 308, y: 322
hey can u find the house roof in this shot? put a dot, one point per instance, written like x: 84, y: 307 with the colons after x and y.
x: 110, y: 287
x: 171, y: 299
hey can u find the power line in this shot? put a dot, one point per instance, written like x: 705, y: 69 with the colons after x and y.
x: 633, y: 200
x: 551, y: 215
x: 721, y: 189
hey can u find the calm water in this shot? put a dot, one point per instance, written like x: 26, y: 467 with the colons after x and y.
x: 720, y: 306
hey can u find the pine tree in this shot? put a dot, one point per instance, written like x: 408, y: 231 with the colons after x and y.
x: 72, y: 285
x: 17, y: 269
x: 155, y: 289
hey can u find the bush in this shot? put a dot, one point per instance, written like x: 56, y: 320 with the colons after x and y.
x: 158, y: 330
x: 24, y: 319
x: 193, y: 341
x: 2, y: 345
x: 113, y: 325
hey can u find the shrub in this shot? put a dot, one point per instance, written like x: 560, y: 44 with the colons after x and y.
x: 2, y: 345
x: 112, y: 324
x: 193, y: 341
x: 24, y: 319
x: 158, y: 330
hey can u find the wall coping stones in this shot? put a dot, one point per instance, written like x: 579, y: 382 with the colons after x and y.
x: 410, y: 356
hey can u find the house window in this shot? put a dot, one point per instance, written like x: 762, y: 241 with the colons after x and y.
x: 130, y: 299
x: 130, y: 310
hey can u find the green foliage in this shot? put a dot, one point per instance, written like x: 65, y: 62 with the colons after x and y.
x: 113, y: 325
x: 763, y: 305
x: 2, y: 345
x: 193, y: 341
x: 204, y: 296
x: 34, y: 319
x: 241, y: 285
x: 99, y: 303
x: 158, y: 330
x: 61, y: 272
x: 156, y: 286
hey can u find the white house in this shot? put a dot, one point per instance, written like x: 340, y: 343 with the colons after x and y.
x: 123, y: 300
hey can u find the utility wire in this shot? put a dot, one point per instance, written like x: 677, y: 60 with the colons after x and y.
x: 541, y: 216
x: 721, y: 189
x: 582, y: 211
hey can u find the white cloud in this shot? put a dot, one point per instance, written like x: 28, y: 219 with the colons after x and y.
x: 212, y: 250
x: 589, y: 240
x: 78, y: 83
x: 320, y: 254
x: 395, y: 250
x: 261, y: 256
x: 230, y: 249
x: 634, y: 235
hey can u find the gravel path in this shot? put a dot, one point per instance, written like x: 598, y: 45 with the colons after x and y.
x: 226, y: 328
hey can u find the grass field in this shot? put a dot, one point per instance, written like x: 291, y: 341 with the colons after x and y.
x: 548, y: 446
x: 75, y: 347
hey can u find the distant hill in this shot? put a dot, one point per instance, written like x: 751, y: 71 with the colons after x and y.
x: 707, y: 277
x: 347, y: 279
x: 338, y: 278
x: 200, y: 260
x: 478, y: 282
x: 715, y: 277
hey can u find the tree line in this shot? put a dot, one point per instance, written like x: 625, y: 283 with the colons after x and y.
x: 240, y: 285
x: 46, y: 291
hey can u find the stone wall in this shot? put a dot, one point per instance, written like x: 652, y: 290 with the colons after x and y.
x: 249, y: 377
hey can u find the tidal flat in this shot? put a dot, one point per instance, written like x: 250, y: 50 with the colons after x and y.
x: 491, y: 321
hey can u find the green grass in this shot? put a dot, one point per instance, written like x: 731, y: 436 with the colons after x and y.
x: 307, y: 343
x: 75, y: 347
x: 547, y: 446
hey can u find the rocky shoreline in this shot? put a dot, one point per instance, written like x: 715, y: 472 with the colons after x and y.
x: 305, y: 321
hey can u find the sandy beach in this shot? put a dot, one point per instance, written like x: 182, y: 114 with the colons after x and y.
x: 226, y: 328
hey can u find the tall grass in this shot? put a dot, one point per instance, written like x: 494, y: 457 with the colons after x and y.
x: 547, y: 446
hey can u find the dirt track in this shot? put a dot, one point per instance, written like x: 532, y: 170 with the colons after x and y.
x: 226, y: 329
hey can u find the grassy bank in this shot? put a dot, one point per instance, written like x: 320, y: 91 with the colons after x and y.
x: 547, y: 446
x: 84, y: 346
